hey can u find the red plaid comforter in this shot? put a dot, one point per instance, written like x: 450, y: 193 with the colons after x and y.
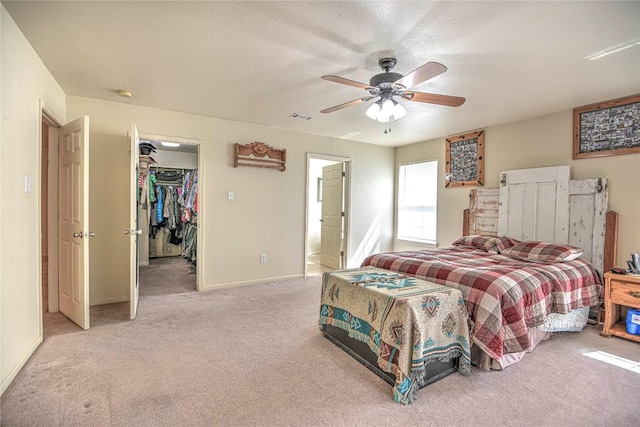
x: 504, y: 296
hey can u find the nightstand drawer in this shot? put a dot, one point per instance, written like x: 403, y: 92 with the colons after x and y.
x: 625, y: 294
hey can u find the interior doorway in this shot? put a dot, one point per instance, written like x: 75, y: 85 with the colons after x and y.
x: 47, y: 126
x: 47, y: 184
x: 168, y: 215
x: 327, y: 219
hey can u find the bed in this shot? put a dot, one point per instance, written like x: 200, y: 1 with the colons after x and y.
x: 514, y: 304
x: 505, y: 296
x: 540, y: 204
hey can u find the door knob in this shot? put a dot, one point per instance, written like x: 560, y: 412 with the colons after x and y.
x: 78, y: 234
x: 138, y: 231
x: 126, y: 231
x: 89, y: 234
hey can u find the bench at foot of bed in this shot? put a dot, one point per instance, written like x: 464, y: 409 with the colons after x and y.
x: 408, y: 331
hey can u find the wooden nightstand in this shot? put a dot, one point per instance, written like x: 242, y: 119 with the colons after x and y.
x: 619, y: 290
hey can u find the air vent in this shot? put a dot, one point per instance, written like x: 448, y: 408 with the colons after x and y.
x: 300, y: 116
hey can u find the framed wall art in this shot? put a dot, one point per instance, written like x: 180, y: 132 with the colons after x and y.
x: 464, y: 160
x: 607, y: 128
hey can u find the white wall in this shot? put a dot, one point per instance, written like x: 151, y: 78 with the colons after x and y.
x: 268, y: 213
x: 25, y: 80
x: 536, y: 142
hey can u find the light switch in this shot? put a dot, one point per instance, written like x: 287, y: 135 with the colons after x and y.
x: 27, y: 184
x: 230, y: 195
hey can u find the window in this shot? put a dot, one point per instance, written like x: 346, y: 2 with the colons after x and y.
x: 417, y: 198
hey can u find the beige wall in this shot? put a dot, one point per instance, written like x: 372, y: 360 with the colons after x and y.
x: 108, y: 216
x: 25, y: 80
x: 541, y: 141
x: 269, y: 205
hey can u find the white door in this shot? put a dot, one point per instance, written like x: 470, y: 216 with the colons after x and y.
x: 534, y: 204
x: 332, y: 215
x: 133, y: 232
x: 73, y: 233
x: 588, y: 201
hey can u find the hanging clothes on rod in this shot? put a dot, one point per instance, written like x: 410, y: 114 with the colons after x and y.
x: 171, y: 195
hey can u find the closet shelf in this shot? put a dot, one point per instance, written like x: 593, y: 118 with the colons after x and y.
x: 253, y: 155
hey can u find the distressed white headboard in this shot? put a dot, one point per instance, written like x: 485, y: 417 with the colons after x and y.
x: 544, y: 204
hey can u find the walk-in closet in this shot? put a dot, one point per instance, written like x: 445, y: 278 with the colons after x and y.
x: 168, y: 217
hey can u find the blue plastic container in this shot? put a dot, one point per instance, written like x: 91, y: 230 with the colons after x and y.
x: 633, y: 321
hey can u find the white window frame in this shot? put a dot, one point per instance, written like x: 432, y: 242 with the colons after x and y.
x: 422, y: 205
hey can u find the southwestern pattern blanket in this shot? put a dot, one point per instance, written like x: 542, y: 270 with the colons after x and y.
x: 504, y: 296
x: 405, y: 321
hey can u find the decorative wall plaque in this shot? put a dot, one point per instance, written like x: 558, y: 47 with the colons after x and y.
x: 259, y: 155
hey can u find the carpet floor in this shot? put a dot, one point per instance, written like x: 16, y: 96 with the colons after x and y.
x: 166, y: 276
x: 254, y: 356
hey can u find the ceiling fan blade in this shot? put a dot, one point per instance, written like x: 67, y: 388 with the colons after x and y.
x: 347, y: 82
x: 432, y: 98
x: 347, y: 104
x: 421, y: 74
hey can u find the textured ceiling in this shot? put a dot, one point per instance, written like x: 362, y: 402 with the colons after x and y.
x: 260, y: 62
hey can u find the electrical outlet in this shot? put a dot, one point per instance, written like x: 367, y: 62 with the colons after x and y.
x: 263, y: 258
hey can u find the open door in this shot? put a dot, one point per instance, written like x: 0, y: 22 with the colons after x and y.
x: 133, y: 231
x: 332, y: 215
x: 73, y: 233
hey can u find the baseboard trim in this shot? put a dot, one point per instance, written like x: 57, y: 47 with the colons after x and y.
x: 143, y: 263
x: 251, y: 282
x: 112, y: 300
x: 23, y: 361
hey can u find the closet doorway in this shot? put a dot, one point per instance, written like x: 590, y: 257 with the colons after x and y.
x: 328, y: 183
x: 169, y: 215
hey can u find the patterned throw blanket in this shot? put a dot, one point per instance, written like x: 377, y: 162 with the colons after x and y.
x: 504, y: 296
x: 406, y: 322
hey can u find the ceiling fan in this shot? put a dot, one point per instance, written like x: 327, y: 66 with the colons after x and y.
x: 388, y: 85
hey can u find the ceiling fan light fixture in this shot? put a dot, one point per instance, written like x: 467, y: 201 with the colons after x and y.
x: 387, y: 111
x: 383, y: 119
x: 399, y: 111
x: 387, y: 108
x: 373, y: 111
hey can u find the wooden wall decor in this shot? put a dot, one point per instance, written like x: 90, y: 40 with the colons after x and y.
x: 465, y: 160
x: 259, y: 155
x: 607, y: 128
